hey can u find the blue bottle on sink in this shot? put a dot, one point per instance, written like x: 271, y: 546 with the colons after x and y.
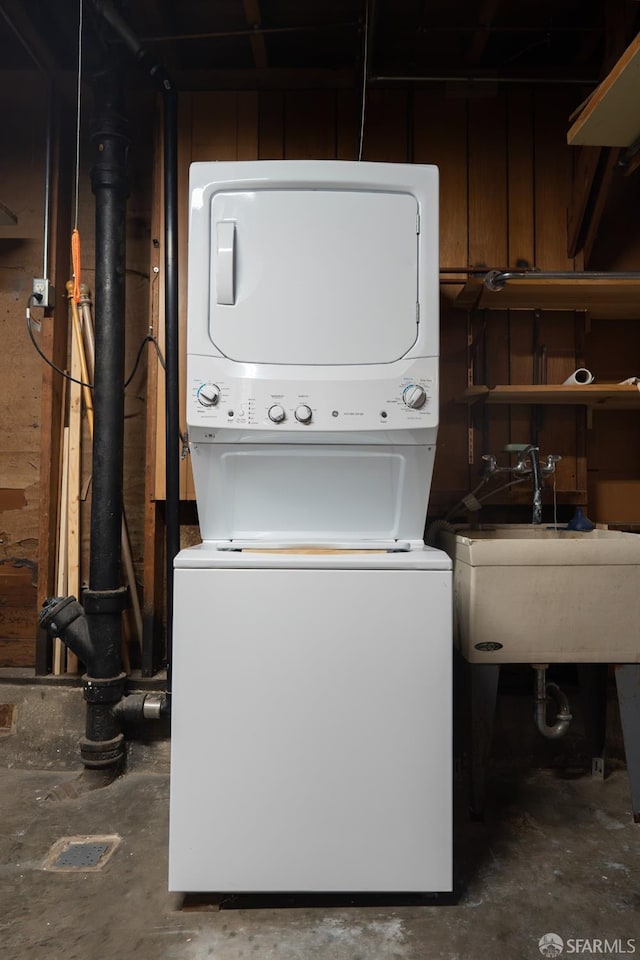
x: 580, y: 522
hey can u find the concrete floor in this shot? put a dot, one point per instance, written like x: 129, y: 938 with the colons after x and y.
x: 555, y: 854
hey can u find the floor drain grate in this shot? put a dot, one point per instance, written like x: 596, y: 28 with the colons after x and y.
x: 80, y: 853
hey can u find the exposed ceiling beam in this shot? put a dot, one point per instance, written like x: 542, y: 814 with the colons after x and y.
x: 478, y: 45
x: 258, y: 43
x: 22, y: 26
x: 269, y: 78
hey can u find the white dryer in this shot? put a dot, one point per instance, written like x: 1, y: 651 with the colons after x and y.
x: 311, y: 740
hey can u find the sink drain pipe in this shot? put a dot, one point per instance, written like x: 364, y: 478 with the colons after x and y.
x: 543, y: 693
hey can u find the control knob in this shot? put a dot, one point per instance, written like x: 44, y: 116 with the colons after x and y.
x: 276, y: 413
x: 414, y: 396
x: 209, y: 394
x: 303, y: 413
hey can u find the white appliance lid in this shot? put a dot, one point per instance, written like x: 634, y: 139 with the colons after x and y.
x: 208, y: 556
x: 303, y: 276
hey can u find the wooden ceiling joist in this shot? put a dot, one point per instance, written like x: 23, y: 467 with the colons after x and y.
x: 486, y: 16
x: 258, y: 44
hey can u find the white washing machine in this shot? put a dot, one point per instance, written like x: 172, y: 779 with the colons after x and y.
x: 311, y: 709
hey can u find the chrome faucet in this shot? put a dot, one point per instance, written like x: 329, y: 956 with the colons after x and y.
x: 528, y: 465
x: 522, y: 470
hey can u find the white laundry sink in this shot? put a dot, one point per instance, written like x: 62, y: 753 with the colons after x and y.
x: 525, y: 594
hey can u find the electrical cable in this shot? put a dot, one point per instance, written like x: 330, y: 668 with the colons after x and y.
x: 63, y: 373
x: 461, y: 504
x: 148, y: 339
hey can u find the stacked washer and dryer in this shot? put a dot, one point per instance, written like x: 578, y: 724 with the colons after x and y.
x: 311, y: 713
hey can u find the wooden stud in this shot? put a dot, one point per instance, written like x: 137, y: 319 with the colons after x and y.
x: 59, y: 649
x: 73, y: 485
x: 54, y: 344
x: 153, y: 567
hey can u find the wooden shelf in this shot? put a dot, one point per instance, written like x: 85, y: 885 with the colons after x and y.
x: 610, y: 117
x: 612, y: 299
x: 602, y: 396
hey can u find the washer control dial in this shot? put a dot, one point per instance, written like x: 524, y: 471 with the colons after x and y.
x: 303, y: 413
x: 208, y: 394
x: 414, y: 396
x: 276, y: 413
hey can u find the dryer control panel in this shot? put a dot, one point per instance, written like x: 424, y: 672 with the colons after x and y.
x: 392, y: 397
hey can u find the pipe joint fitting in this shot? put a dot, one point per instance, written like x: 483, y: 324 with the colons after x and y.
x: 140, y: 706
x: 102, y: 753
x: 544, y: 692
x: 97, y: 602
x: 64, y: 617
x: 109, y: 690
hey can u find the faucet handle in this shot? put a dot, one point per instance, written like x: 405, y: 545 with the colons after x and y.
x: 491, y: 463
x: 549, y: 465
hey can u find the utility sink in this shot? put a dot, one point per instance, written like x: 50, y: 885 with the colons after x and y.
x: 535, y: 594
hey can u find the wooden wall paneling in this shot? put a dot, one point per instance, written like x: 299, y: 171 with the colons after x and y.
x: 613, y: 353
x: 520, y: 152
x: 348, y: 107
x: 141, y: 281
x: 586, y: 183
x: 617, y: 245
x: 17, y: 591
x: 387, y: 125
x: 153, y: 569
x: 553, y: 173
x: 214, y: 126
x: 610, y: 160
x: 271, y: 126
x: 310, y: 125
x: 193, y: 144
x: 553, y: 178
x: 440, y: 137
x: 488, y: 233
x: 157, y: 291
x: 247, y: 125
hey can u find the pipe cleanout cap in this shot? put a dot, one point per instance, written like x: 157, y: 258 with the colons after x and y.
x: 57, y: 613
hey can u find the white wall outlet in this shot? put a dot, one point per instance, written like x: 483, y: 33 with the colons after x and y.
x: 43, y: 293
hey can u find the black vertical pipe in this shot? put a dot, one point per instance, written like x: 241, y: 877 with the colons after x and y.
x: 171, y: 350
x: 104, y: 599
x: 110, y: 186
x: 170, y: 157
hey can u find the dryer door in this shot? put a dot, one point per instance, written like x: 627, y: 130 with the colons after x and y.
x: 313, y: 276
